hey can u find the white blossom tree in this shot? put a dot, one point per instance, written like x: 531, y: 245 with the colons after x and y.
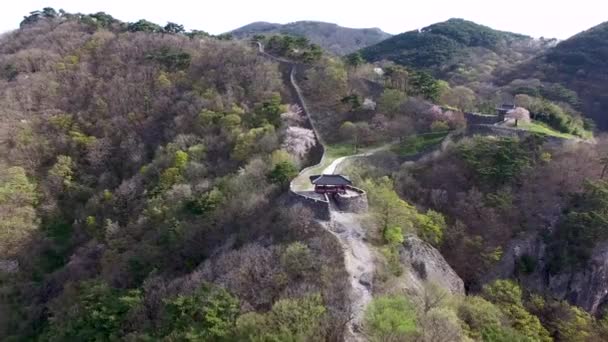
x: 294, y: 116
x: 518, y: 114
x: 298, y: 141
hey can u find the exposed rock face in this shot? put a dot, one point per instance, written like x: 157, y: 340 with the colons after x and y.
x: 586, y: 286
x: 423, y: 263
x: 9, y: 266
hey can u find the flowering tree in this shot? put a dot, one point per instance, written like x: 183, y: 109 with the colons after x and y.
x: 294, y: 116
x: 518, y: 114
x: 298, y: 141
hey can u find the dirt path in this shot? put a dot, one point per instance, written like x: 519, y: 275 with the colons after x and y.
x: 359, y: 261
x: 331, y: 168
x: 346, y: 227
x: 359, y: 258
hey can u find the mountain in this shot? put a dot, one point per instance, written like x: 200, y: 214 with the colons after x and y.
x: 441, y: 45
x: 579, y: 63
x: 337, y: 39
x: 129, y: 154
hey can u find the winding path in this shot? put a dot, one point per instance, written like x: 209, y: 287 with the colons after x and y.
x: 359, y: 259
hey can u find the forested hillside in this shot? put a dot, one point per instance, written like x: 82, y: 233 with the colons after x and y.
x: 130, y: 154
x: 331, y: 37
x: 579, y: 64
x: 147, y: 185
x: 439, y: 46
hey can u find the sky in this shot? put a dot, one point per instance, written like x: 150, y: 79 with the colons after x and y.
x: 538, y: 18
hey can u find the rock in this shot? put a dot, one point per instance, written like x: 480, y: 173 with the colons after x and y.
x: 366, y: 279
x: 586, y: 286
x: 423, y: 263
x: 368, y: 104
x: 9, y: 266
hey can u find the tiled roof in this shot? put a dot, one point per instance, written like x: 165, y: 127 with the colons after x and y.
x: 330, y: 180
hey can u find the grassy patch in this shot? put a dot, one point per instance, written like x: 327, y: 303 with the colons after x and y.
x: 542, y: 128
x: 417, y: 143
x: 332, y: 152
x: 340, y: 150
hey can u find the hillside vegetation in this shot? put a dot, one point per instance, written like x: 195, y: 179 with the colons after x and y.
x: 145, y: 176
x: 142, y: 175
x: 439, y: 45
x: 331, y: 37
x: 579, y: 64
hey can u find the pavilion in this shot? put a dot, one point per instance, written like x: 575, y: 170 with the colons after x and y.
x: 330, y: 183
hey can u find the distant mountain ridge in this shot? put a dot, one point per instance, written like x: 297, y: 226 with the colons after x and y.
x: 332, y: 37
x: 439, y: 44
x: 579, y: 63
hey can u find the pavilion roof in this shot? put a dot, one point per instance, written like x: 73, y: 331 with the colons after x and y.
x: 330, y: 180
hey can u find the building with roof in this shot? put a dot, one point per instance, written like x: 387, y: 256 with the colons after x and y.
x: 503, y: 110
x: 330, y: 183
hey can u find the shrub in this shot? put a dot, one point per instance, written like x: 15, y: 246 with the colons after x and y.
x: 394, y: 235
x: 393, y: 263
x: 98, y: 314
x: 297, y: 259
x: 439, y: 126
x: 390, y: 318
x: 207, y: 314
x: 289, y: 320
x: 508, y: 297
x: 283, y: 173
x: 582, y: 226
x: 498, y: 161
x: 430, y: 227
x: 205, y: 203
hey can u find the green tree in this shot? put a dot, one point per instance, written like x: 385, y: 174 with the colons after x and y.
x: 388, y: 209
x: 205, y: 203
x: 354, y: 59
x: 18, y: 218
x: 173, y: 28
x: 430, y: 227
x: 297, y: 259
x: 484, y: 321
x: 246, y: 143
x: 394, y: 235
x: 144, y: 26
x: 208, y: 314
x: 348, y: 132
x: 300, y: 319
x: 390, y: 102
x: 422, y: 83
x: 197, y: 34
x: 390, y: 318
x: 508, y: 297
x: 231, y: 121
x: 283, y: 173
x: 62, y: 171
x: 99, y: 313
x: 499, y: 161
x: 581, y: 228
x: 268, y: 112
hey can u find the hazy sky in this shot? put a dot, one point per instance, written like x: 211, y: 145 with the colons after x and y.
x: 548, y: 18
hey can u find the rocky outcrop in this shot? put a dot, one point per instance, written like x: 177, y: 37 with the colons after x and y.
x: 586, y: 287
x: 9, y: 266
x: 424, y: 264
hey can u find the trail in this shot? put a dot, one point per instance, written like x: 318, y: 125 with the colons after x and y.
x: 359, y: 261
x: 331, y: 168
x: 346, y: 227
